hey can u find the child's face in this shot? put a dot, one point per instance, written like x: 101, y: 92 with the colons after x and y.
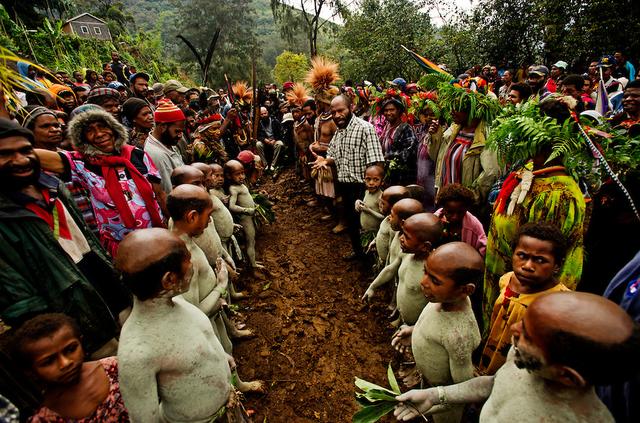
x: 217, y: 178
x: 454, y: 212
x: 383, y: 204
x: 394, y: 220
x: 57, y: 359
x: 237, y: 176
x: 410, y: 242
x: 373, y: 179
x: 533, y: 262
x: 208, y: 179
x: 436, y: 284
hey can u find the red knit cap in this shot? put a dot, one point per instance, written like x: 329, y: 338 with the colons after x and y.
x: 167, y: 112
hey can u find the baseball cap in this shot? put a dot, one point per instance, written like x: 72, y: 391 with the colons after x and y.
x: 246, y: 157
x: 540, y: 70
x: 400, y: 82
x: 606, y: 61
x: 173, y: 85
x: 287, y: 117
x: 139, y: 75
x: 561, y: 64
x: 158, y: 89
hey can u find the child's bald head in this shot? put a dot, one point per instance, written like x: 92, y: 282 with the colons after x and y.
x: 420, y: 232
x: 187, y: 174
x: 402, y: 210
x: 391, y: 196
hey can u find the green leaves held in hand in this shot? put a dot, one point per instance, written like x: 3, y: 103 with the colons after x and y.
x: 375, y: 400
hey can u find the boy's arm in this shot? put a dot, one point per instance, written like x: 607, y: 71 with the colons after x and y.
x: 139, y: 389
x: 372, y: 212
x: 424, y: 400
x: 211, y: 303
x: 383, y: 277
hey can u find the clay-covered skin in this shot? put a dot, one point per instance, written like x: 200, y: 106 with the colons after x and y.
x: 442, y: 343
x: 383, y: 239
x: 409, y: 295
x: 222, y: 218
x: 521, y: 396
x: 172, y: 366
x: 241, y: 202
x: 370, y: 217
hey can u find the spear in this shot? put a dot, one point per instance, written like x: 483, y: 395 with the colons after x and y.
x: 256, y: 110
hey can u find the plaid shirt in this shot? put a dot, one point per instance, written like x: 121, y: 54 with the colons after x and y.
x: 353, y: 149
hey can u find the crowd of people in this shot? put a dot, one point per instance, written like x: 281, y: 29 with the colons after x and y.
x: 128, y: 214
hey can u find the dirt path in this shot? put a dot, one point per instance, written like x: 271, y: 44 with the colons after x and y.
x: 314, y: 335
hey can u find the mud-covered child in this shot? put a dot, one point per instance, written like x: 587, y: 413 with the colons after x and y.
x: 388, y: 199
x: 190, y: 209
x: 446, y: 332
x: 369, y: 206
x: 242, y: 205
x: 420, y: 233
x: 538, y: 254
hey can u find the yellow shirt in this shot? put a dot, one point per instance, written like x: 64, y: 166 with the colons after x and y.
x: 508, y: 309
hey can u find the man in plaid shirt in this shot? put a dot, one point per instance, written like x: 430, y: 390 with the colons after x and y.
x: 353, y: 147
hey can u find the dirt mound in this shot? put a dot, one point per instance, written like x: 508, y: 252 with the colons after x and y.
x: 314, y: 333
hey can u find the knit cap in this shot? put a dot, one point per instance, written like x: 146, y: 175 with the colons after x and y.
x: 132, y: 107
x: 167, y: 112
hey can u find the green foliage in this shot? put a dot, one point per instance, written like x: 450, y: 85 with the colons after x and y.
x: 373, y: 34
x: 521, y: 134
x: 290, y: 67
x: 479, y: 106
x: 375, y: 401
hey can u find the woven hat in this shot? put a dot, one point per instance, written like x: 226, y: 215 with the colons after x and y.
x: 97, y: 95
x: 167, y: 112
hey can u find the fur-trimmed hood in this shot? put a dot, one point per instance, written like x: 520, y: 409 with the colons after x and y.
x: 78, y: 124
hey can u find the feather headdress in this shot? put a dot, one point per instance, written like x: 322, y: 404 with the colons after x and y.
x: 242, y: 92
x: 298, y: 95
x: 321, y: 77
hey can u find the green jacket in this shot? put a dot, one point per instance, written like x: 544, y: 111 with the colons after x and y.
x: 38, y: 276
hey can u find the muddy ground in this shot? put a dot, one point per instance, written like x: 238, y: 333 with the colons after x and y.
x: 313, y: 332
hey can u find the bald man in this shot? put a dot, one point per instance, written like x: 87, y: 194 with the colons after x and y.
x: 172, y: 367
x: 269, y: 134
x: 446, y: 332
x: 566, y: 343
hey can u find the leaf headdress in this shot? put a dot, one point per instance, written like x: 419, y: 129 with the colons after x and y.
x: 452, y: 97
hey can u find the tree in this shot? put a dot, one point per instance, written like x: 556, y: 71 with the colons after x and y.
x: 373, y: 36
x: 290, y: 67
x: 307, y: 18
x: 237, y: 44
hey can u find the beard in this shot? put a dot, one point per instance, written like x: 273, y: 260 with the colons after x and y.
x: 526, y: 361
x: 167, y: 139
x: 16, y: 183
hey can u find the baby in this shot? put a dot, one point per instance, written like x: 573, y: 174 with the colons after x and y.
x: 446, y: 332
x: 369, y: 207
x: 241, y: 203
x: 49, y: 347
